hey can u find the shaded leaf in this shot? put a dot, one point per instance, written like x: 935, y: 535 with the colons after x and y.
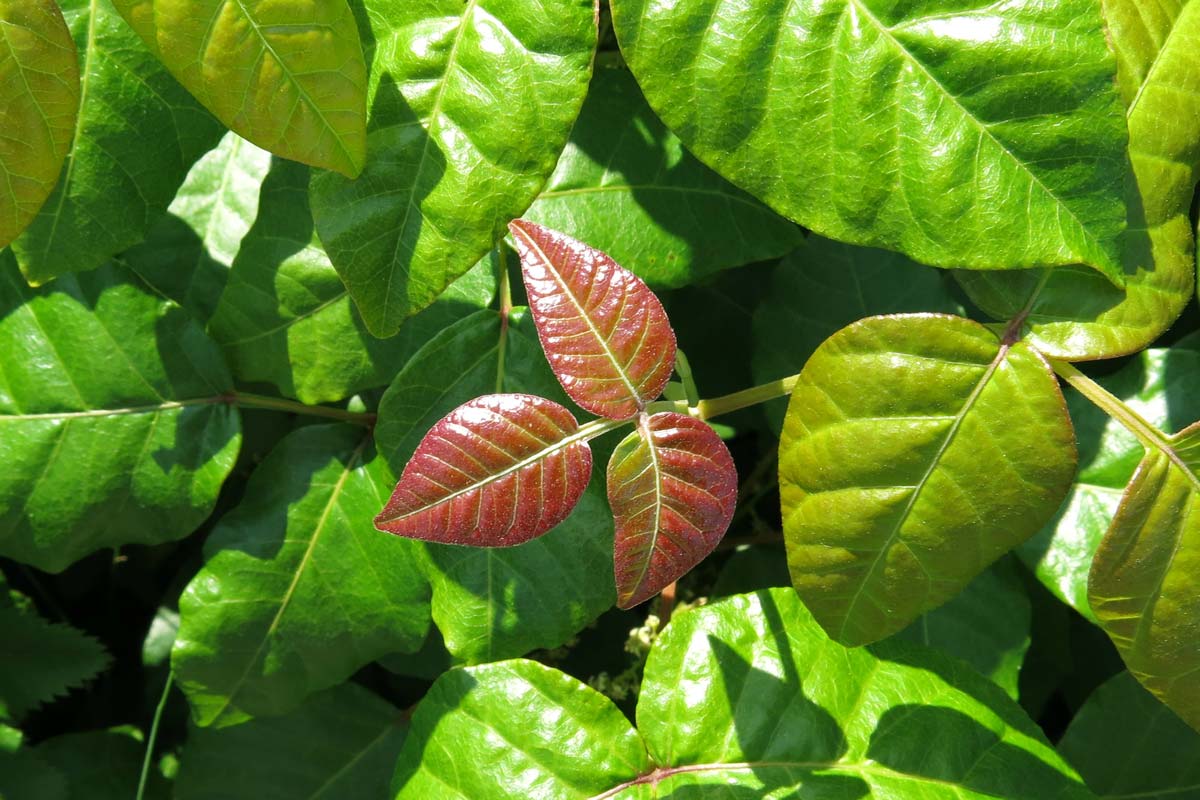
x: 604, y: 332
x: 468, y: 100
x: 285, y: 316
x: 824, y: 286
x: 491, y: 603
x: 672, y: 487
x: 289, y: 77
x: 625, y: 184
x: 745, y: 698
x: 1126, y: 744
x: 341, y: 742
x: 102, y: 765
x: 1072, y: 313
x: 135, y: 138
x: 986, y: 136
x: 113, y: 428
x: 39, y: 92
x: 497, y: 471
x: 23, y: 773
x: 298, y: 591
x: 188, y: 252
x: 916, y: 450
x: 42, y: 660
x: 1142, y: 584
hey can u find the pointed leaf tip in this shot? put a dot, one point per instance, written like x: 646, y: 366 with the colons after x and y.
x: 672, y: 486
x: 604, y: 332
x: 494, y: 472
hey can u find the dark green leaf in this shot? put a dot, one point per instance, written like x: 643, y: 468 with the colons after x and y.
x: 916, y: 450
x: 979, y: 135
x: 341, y: 743
x: 136, y: 136
x: 102, y: 765
x: 471, y: 103
x: 285, y: 316
x: 298, y: 590
x: 42, y: 661
x: 112, y: 429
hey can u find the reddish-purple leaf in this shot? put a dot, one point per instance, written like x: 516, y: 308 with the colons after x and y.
x: 605, y: 333
x: 672, y: 487
x: 494, y: 472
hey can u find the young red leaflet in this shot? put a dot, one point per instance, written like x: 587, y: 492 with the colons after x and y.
x: 497, y: 471
x: 605, y: 333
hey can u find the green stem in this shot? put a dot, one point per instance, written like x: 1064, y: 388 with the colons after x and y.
x: 707, y: 409
x: 280, y: 404
x: 505, y: 292
x: 153, y: 737
x: 1146, y: 433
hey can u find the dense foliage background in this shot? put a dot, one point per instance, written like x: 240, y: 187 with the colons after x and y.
x: 251, y: 252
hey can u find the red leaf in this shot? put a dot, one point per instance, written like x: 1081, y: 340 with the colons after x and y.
x: 672, y: 487
x: 605, y: 333
x: 494, y: 472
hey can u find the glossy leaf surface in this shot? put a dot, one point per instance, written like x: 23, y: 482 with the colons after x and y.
x: 188, y: 252
x: 39, y: 95
x: 1163, y: 387
x: 111, y: 426
x: 467, y: 100
x: 137, y: 134
x: 497, y: 471
x: 626, y: 185
x: 285, y: 317
x: 744, y: 698
x: 604, y: 332
x: 979, y: 135
x: 289, y: 77
x: 298, y: 591
x: 824, y: 286
x: 1142, y: 586
x: 1073, y: 313
x: 916, y: 450
x: 341, y: 742
x: 1126, y: 744
x: 491, y: 603
x: 672, y: 487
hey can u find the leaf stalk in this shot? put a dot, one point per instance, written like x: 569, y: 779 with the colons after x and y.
x: 707, y: 409
x: 247, y: 400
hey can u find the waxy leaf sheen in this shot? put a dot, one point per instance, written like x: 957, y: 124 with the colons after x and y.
x: 39, y: 98
x: 916, y: 450
x: 497, y: 471
x: 672, y: 487
x: 606, y: 335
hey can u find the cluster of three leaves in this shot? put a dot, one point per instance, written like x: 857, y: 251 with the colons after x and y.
x: 505, y: 468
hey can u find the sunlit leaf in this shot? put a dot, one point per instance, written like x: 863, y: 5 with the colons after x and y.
x: 916, y: 450
x: 605, y: 333
x: 981, y: 135
x: 672, y: 487
x: 497, y: 471
x: 39, y: 98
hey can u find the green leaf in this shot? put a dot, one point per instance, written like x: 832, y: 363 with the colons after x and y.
x: 135, y: 138
x: 491, y: 603
x: 23, y: 774
x: 285, y: 317
x: 298, y: 590
x: 160, y: 638
x: 1163, y: 387
x: 39, y: 92
x: 471, y: 104
x: 980, y: 135
x: 113, y: 428
x: 824, y: 286
x: 341, y: 742
x: 42, y: 660
x: 1142, y: 584
x: 1071, y: 312
x: 102, y: 765
x: 916, y: 450
x: 748, y: 695
x: 625, y: 185
x: 289, y: 77
x: 1126, y: 744
x: 188, y: 252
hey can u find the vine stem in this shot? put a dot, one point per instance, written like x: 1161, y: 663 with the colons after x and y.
x: 280, y: 404
x: 153, y: 737
x: 506, y: 304
x: 707, y: 409
x: 1147, y: 434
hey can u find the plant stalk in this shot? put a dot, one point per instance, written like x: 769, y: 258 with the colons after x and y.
x: 280, y: 404
x: 153, y: 737
x: 1150, y: 436
x: 707, y: 409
